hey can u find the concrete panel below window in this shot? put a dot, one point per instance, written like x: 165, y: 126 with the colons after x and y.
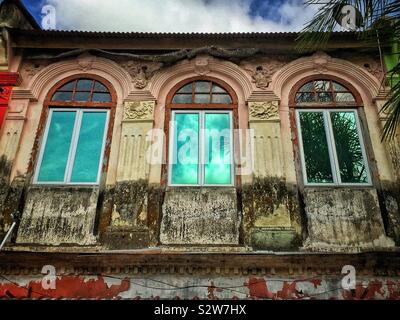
x: 59, y: 215
x: 344, y: 219
x: 207, y: 216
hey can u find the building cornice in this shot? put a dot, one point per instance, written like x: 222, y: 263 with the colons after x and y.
x: 155, y: 262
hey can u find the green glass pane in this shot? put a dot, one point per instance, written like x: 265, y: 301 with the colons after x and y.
x: 62, y: 96
x: 325, y: 97
x: 315, y: 147
x: 218, y: 148
x: 338, y: 87
x: 101, y: 97
x: 98, y: 87
x: 221, y: 98
x: 202, y: 98
x: 202, y: 86
x: 344, y: 97
x: 56, y: 151
x: 186, y: 89
x: 68, y: 87
x: 321, y: 85
x: 308, y: 87
x: 217, y: 89
x: 305, y: 97
x: 348, y: 148
x: 88, y: 151
x: 82, y: 96
x: 185, y: 158
x: 182, y: 98
x: 84, y: 85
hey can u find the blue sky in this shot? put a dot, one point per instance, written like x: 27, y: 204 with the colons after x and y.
x: 176, y: 15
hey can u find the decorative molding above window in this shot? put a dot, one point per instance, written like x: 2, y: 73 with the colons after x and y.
x: 268, y: 110
x: 139, y: 110
x: 141, y: 73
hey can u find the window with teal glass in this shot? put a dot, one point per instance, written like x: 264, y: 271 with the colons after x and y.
x: 201, y: 148
x: 73, y: 147
x: 332, y: 149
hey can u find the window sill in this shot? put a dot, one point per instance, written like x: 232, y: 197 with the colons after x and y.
x: 63, y: 186
x: 339, y: 186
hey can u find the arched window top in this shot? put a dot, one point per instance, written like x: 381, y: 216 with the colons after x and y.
x: 202, y: 92
x: 324, y: 91
x: 82, y: 90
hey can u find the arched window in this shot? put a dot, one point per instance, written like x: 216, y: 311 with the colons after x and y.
x: 202, y: 92
x: 330, y: 138
x: 82, y: 90
x: 73, y: 144
x: 324, y: 91
x: 200, y: 121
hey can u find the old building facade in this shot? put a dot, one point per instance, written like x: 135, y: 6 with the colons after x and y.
x: 110, y: 163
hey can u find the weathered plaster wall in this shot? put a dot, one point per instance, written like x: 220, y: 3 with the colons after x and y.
x: 198, y: 286
x: 208, y: 216
x: 56, y: 216
x: 133, y: 207
x: 272, y: 219
x: 344, y: 217
x: 127, y: 225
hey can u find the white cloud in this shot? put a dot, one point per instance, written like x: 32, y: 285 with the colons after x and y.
x: 175, y: 16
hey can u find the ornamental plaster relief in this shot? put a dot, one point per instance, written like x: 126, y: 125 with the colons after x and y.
x: 371, y: 64
x: 262, y: 69
x: 268, y: 110
x: 141, y: 73
x: 139, y: 110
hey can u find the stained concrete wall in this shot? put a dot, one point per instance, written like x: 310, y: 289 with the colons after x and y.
x: 56, y: 216
x: 203, y: 216
x: 265, y: 212
x: 344, y: 217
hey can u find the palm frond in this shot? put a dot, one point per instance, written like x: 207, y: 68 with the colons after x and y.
x: 380, y: 26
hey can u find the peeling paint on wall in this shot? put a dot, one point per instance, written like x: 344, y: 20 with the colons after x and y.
x: 200, y: 287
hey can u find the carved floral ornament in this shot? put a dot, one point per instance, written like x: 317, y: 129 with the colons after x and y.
x: 268, y: 110
x: 85, y: 61
x: 262, y: 73
x: 320, y: 62
x: 139, y: 110
x: 141, y: 73
x: 201, y: 65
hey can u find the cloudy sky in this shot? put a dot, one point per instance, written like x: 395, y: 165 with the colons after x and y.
x: 177, y: 15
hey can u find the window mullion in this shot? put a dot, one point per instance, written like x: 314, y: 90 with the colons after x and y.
x: 201, y: 147
x: 332, y: 148
x: 74, y: 144
x: 172, y: 153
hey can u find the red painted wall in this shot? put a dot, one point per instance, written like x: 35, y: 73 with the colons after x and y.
x: 7, y: 81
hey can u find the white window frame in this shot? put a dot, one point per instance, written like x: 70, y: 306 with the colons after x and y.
x: 330, y: 138
x: 201, y: 151
x: 72, y: 150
